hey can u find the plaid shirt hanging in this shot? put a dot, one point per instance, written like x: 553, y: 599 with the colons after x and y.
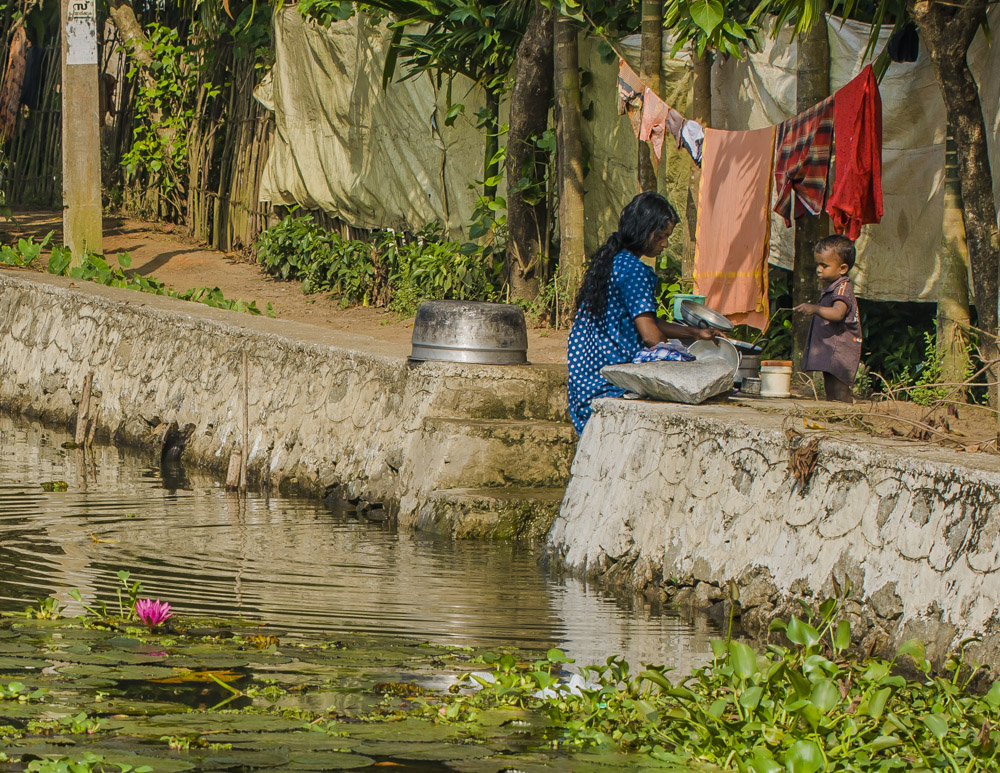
x: 803, y: 161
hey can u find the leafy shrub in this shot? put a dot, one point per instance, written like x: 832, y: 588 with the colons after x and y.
x: 391, y: 271
x: 96, y: 268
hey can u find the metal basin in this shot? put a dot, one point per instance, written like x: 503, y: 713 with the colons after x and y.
x: 701, y: 316
x: 470, y: 331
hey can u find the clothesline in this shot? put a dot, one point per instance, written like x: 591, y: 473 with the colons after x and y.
x: 740, y: 167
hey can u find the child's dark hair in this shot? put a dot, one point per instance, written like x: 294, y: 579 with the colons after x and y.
x: 841, y: 246
x: 643, y: 220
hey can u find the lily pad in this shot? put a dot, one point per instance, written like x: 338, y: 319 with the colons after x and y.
x: 329, y: 761
x: 246, y: 723
x: 9, y: 664
x: 409, y: 729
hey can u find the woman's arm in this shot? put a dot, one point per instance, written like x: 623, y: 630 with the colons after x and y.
x: 653, y: 330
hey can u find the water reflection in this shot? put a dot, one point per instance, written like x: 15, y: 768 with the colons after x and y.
x: 301, y: 566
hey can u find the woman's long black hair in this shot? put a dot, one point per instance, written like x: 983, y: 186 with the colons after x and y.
x: 641, y: 222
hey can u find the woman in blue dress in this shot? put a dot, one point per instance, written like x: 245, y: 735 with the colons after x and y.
x: 616, y: 305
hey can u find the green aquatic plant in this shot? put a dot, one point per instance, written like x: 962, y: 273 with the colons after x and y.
x: 47, y: 609
x: 88, y: 763
x: 806, y: 707
x: 18, y: 691
x: 78, y: 724
x: 126, y: 603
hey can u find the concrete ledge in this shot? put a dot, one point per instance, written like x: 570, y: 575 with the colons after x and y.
x: 686, y: 498
x: 326, y: 409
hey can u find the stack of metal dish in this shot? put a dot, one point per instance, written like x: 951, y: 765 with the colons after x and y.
x: 470, y: 331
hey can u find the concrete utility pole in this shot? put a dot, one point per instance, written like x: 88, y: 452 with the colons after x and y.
x: 81, y: 136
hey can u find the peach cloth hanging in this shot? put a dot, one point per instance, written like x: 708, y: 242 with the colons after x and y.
x: 734, y: 224
x: 654, y: 122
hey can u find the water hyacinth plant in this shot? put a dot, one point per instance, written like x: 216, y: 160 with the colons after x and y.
x: 152, y: 612
x: 807, y: 707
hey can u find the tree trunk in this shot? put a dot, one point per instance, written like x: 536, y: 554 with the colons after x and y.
x: 128, y: 26
x: 953, y: 300
x: 527, y: 214
x: 701, y: 111
x: 948, y: 31
x: 650, y: 64
x: 569, y: 146
x: 812, y: 84
x: 492, y: 129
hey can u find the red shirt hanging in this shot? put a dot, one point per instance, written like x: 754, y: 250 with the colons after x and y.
x: 857, y: 185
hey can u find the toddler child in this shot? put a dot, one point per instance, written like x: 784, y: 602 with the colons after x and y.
x: 834, y: 345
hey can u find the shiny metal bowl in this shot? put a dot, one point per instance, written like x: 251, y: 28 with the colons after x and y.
x: 470, y: 331
x: 700, y: 315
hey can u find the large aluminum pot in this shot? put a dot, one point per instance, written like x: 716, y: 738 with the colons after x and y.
x: 470, y: 331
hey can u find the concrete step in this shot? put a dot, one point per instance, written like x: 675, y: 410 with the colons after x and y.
x: 500, y: 452
x: 523, y: 513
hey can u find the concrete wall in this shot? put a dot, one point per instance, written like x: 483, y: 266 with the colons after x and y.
x: 325, y: 409
x: 685, y: 498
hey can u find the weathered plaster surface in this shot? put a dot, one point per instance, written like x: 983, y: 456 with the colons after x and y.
x: 325, y: 409
x: 687, y: 498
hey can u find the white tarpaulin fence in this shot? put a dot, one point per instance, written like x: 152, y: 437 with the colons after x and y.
x: 385, y: 158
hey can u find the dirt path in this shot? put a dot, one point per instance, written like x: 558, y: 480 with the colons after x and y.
x: 166, y: 254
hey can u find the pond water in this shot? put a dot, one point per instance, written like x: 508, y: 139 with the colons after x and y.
x: 305, y: 568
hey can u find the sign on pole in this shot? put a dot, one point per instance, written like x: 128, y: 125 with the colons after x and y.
x: 81, y: 32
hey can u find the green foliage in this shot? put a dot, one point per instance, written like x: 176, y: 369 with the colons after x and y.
x: 47, y: 609
x: 88, y: 763
x: 326, y: 12
x: 390, y: 271
x: 96, y: 268
x: 718, y: 25
x: 18, y: 691
x: 893, y: 335
x: 26, y: 252
x: 126, y: 605
x: 809, y: 706
x: 164, y: 111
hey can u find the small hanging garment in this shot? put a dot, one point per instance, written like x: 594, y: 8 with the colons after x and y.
x: 675, y: 125
x: 856, y: 198
x: 803, y: 161
x: 630, y: 90
x: 693, y: 139
x: 734, y: 224
x: 654, y: 122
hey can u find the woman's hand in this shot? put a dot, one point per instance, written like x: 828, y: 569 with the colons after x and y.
x: 707, y: 333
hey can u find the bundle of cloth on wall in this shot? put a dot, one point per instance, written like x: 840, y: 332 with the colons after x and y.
x: 746, y: 174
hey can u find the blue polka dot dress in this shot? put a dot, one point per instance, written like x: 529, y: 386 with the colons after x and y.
x: 612, y: 339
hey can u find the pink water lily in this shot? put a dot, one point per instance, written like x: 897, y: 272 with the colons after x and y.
x: 152, y: 613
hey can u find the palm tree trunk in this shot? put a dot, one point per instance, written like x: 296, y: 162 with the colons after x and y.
x: 953, y: 295
x: 527, y: 215
x: 812, y: 83
x: 948, y: 31
x: 650, y: 64
x: 492, y: 129
x: 569, y: 146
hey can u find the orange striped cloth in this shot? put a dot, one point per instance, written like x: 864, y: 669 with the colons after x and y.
x: 734, y: 224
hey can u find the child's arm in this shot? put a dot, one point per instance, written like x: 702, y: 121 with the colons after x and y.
x: 835, y: 313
